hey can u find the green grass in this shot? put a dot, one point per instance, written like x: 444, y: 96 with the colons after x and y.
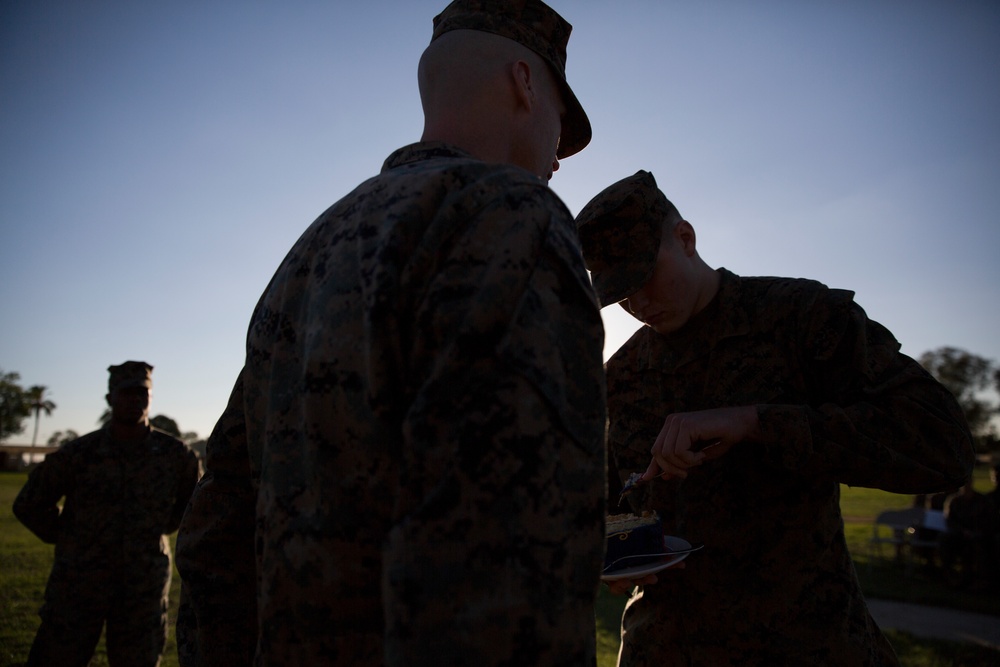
x: 884, y: 578
x: 879, y: 579
x: 25, y: 562
x: 859, y: 503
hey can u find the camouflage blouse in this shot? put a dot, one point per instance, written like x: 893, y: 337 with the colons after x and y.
x: 121, y: 499
x: 837, y: 403
x: 424, y: 419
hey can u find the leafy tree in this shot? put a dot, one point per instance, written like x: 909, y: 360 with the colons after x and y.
x: 60, y: 438
x: 38, y: 404
x: 166, y: 424
x: 162, y: 422
x: 199, y: 446
x: 14, y: 409
x: 968, y: 377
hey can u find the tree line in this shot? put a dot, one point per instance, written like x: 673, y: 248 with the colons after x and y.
x: 19, y: 405
x: 969, y: 377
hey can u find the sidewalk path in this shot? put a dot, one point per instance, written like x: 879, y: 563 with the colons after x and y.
x: 937, y: 623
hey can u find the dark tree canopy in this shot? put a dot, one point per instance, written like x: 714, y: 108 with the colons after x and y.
x: 60, y: 438
x: 162, y: 422
x: 969, y: 377
x: 14, y: 405
x: 165, y: 424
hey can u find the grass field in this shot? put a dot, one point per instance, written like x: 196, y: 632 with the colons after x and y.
x: 25, y: 562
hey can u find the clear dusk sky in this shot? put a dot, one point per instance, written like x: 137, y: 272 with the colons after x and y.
x: 157, y: 160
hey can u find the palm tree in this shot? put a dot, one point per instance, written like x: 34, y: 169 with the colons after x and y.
x: 38, y: 403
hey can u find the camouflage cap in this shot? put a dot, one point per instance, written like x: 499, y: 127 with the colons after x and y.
x: 620, y: 233
x: 130, y: 374
x: 537, y: 26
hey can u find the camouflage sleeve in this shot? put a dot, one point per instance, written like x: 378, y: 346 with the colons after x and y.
x: 36, y: 504
x: 614, y: 486
x: 190, y: 473
x: 215, y: 551
x: 878, y: 419
x: 495, y: 552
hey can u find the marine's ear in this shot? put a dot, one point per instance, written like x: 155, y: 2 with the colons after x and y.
x: 523, y: 84
x: 684, y: 234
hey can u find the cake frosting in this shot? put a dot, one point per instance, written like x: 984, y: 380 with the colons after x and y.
x: 633, y: 540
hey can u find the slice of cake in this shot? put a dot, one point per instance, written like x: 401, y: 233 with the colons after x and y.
x: 633, y: 540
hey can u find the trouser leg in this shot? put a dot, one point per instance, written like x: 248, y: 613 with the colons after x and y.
x: 186, y: 631
x: 137, y: 629
x: 66, y: 639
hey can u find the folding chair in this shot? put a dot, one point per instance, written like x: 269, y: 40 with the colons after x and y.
x: 924, y: 538
x: 892, y: 527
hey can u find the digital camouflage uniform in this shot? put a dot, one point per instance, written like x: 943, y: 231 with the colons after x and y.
x: 837, y: 403
x: 414, y: 448
x: 423, y: 400
x: 217, y: 616
x: 112, y: 559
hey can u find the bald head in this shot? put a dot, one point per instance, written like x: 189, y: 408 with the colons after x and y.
x: 461, y: 63
x: 481, y: 92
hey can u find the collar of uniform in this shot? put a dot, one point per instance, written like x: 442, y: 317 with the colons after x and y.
x: 114, y: 444
x: 724, y: 316
x: 424, y: 150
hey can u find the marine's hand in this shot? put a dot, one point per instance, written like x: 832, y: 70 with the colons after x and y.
x: 681, y: 443
x: 625, y: 586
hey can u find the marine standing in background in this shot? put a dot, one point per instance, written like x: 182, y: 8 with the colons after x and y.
x: 418, y: 431
x: 125, y: 488
x: 746, y: 402
x: 971, y: 521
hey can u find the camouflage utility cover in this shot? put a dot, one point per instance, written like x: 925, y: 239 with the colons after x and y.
x: 424, y: 409
x: 130, y: 374
x: 838, y: 404
x: 620, y: 231
x: 535, y: 25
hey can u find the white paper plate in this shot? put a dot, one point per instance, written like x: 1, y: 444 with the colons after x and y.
x: 677, y: 550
